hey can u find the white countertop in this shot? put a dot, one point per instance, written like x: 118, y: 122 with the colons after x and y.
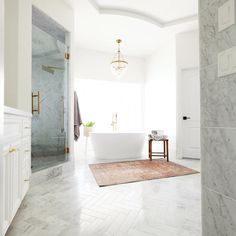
x: 14, y: 111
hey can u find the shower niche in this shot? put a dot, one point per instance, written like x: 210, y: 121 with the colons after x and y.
x: 50, y: 105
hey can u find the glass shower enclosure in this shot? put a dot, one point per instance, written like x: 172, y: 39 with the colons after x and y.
x: 49, y: 95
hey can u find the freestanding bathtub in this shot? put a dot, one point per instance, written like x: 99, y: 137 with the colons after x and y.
x: 117, y: 145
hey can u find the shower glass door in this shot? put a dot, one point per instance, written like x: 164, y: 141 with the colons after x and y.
x: 49, y: 100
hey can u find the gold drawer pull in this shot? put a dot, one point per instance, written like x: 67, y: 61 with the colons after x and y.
x: 27, y: 127
x: 26, y: 180
x: 12, y: 150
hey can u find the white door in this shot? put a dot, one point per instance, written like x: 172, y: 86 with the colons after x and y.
x: 190, y: 104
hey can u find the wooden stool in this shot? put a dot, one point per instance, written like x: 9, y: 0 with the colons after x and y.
x: 165, y: 152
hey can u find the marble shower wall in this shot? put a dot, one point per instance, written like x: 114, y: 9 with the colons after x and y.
x: 218, y: 126
x: 49, y: 128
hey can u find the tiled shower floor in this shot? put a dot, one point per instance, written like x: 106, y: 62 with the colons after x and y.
x: 41, y: 163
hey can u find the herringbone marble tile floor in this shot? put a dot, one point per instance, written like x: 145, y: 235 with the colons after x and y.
x: 74, y: 205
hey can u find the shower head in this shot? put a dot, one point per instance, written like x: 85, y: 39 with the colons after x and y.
x: 52, y: 69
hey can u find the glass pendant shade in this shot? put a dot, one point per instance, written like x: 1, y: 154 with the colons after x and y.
x: 118, y: 64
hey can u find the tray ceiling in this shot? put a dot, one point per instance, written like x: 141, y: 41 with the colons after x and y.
x: 144, y: 25
x: 162, y: 13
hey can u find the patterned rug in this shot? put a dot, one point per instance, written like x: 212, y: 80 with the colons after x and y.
x: 107, y: 174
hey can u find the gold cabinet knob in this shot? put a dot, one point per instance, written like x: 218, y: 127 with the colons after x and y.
x: 12, y: 150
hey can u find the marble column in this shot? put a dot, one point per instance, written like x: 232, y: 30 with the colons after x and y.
x: 218, y: 126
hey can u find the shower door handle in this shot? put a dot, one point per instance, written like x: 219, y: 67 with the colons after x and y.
x: 38, y: 97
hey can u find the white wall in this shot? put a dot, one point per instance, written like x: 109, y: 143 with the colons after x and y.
x: 1, y: 104
x: 19, y: 45
x: 57, y: 10
x: 187, y: 50
x: 96, y: 65
x: 18, y: 22
x: 99, y: 99
x: 11, y: 53
x: 160, y: 92
x: 1, y: 65
x: 24, y: 55
x: 187, y: 57
x: 161, y: 85
x: 100, y: 93
x: 157, y: 76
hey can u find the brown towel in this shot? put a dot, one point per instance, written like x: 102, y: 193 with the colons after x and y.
x: 77, y: 118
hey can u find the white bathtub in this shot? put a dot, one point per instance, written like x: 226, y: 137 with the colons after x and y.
x: 117, y: 146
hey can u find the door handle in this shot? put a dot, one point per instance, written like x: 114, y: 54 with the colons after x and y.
x: 186, y: 118
x: 37, y: 95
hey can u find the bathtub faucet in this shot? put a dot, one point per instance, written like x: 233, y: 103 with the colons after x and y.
x: 114, y: 121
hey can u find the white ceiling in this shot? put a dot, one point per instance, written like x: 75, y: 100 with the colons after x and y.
x: 163, y: 11
x: 144, y: 25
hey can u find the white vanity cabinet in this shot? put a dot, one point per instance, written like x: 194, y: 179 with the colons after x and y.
x: 26, y: 165
x: 16, y: 162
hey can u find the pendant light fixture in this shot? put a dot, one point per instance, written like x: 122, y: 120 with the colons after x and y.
x: 118, y: 64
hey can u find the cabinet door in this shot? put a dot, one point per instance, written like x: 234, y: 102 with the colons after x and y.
x: 26, y: 165
x: 16, y: 173
x: 26, y: 171
x: 6, y: 189
x: 12, y: 177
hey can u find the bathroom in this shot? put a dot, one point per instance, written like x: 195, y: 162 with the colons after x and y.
x: 118, y: 104
x: 86, y: 151
x: 131, y: 97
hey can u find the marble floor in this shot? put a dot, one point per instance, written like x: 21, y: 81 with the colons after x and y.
x: 41, y: 163
x: 74, y: 205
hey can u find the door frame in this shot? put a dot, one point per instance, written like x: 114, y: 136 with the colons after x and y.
x: 179, y: 126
